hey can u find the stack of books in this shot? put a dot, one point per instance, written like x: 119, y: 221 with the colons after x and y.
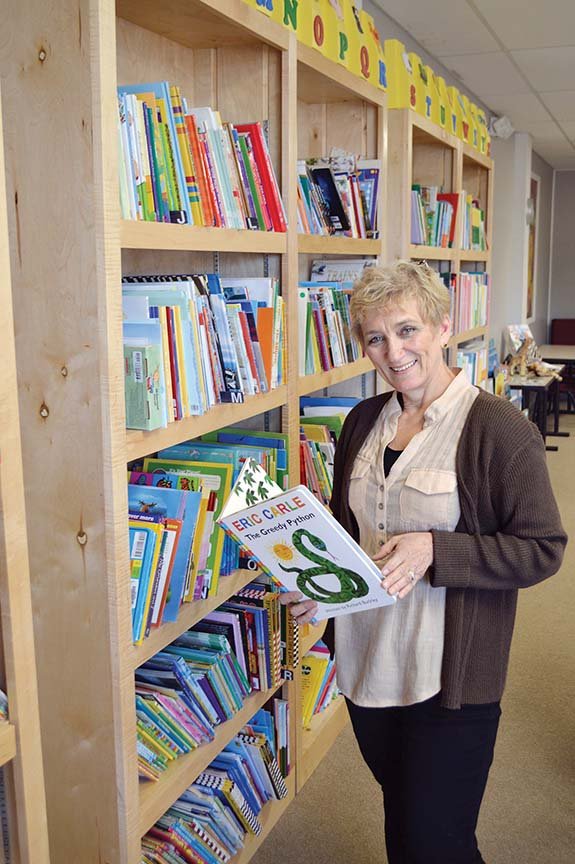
x: 203, y: 678
x: 321, y: 421
x: 319, y: 685
x: 182, y: 164
x: 433, y: 216
x: 473, y: 359
x: 210, y: 821
x: 324, y: 327
x: 193, y: 341
x: 177, y: 549
x: 340, y: 199
x: 473, y: 235
x: 472, y: 301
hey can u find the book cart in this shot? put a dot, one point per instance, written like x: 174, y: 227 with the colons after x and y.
x: 420, y: 151
x: 62, y: 63
x: 22, y: 802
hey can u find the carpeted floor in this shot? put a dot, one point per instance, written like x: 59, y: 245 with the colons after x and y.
x: 528, y: 815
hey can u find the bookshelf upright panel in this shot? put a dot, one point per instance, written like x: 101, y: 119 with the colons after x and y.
x: 20, y: 746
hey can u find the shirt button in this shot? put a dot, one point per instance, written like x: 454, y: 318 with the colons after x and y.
x: 381, y: 526
x: 381, y: 488
x: 380, y: 542
x: 380, y: 505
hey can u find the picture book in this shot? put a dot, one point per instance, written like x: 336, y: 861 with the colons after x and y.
x: 171, y: 504
x: 300, y: 544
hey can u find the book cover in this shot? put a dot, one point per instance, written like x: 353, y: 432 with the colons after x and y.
x: 300, y: 544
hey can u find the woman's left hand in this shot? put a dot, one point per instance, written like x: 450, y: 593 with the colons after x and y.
x: 405, y: 557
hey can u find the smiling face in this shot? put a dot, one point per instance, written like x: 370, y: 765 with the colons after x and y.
x: 407, y: 350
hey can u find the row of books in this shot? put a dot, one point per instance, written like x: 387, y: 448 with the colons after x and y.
x: 338, y: 197
x: 208, y: 824
x: 321, y: 421
x: 319, y: 684
x: 472, y: 358
x: 201, y: 680
x: 473, y: 234
x: 182, y: 164
x: 433, y: 216
x: 177, y: 549
x: 472, y: 301
x: 340, y: 269
x: 324, y: 327
x: 193, y: 341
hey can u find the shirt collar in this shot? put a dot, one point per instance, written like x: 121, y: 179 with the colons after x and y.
x: 449, y: 398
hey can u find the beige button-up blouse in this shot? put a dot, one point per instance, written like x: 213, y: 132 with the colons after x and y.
x: 392, y: 656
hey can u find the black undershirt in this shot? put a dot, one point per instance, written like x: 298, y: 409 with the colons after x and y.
x: 390, y: 457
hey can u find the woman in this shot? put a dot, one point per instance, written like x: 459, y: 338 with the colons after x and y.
x: 447, y: 488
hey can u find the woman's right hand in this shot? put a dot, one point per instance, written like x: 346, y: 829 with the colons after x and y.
x: 303, y: 611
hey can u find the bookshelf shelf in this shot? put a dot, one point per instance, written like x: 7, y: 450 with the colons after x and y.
x: 318, y: 739
x: 311, y: 383
x: 156, y: 798
x: 270, y: 815
x: 185, y: 238
x: 426, y: 131
x: 7, y: 742
x: 308, y: 640
x: 432, y: 253
x: 472, y: 156
x: 190, y: 614
x: 322, y: 80
x: 311, y: 243
x: 204, y: 23
x: 142, y: 443
x: 470, y: 255
x: 466, y: 336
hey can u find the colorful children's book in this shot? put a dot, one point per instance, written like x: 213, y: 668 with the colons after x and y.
x: 300, y: 544
x: 171, y: 504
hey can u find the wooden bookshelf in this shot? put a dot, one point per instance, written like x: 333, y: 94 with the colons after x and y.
x: 20, y: 748
x: 70, y: 249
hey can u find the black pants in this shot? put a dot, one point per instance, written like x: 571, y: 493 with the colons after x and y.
x: 432, y: 764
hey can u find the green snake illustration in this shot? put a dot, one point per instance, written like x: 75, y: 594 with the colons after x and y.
x: 352, y: 585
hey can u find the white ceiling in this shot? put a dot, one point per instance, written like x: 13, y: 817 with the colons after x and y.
x: 517, y: 56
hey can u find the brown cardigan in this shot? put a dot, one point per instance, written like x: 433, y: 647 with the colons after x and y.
x: 509, y: 536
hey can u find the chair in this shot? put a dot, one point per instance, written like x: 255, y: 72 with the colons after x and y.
x: 563, y: 333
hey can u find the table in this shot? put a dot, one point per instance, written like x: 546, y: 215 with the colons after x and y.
x: 539, y: 386
x: 558, y: 353
x: 562, y: 354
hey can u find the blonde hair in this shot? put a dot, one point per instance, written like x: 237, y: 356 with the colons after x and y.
x: 380, y: 288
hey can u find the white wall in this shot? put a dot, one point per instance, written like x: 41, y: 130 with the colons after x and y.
x: 509, y: 260
x: 544, y: 207
x: 562, y: 300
